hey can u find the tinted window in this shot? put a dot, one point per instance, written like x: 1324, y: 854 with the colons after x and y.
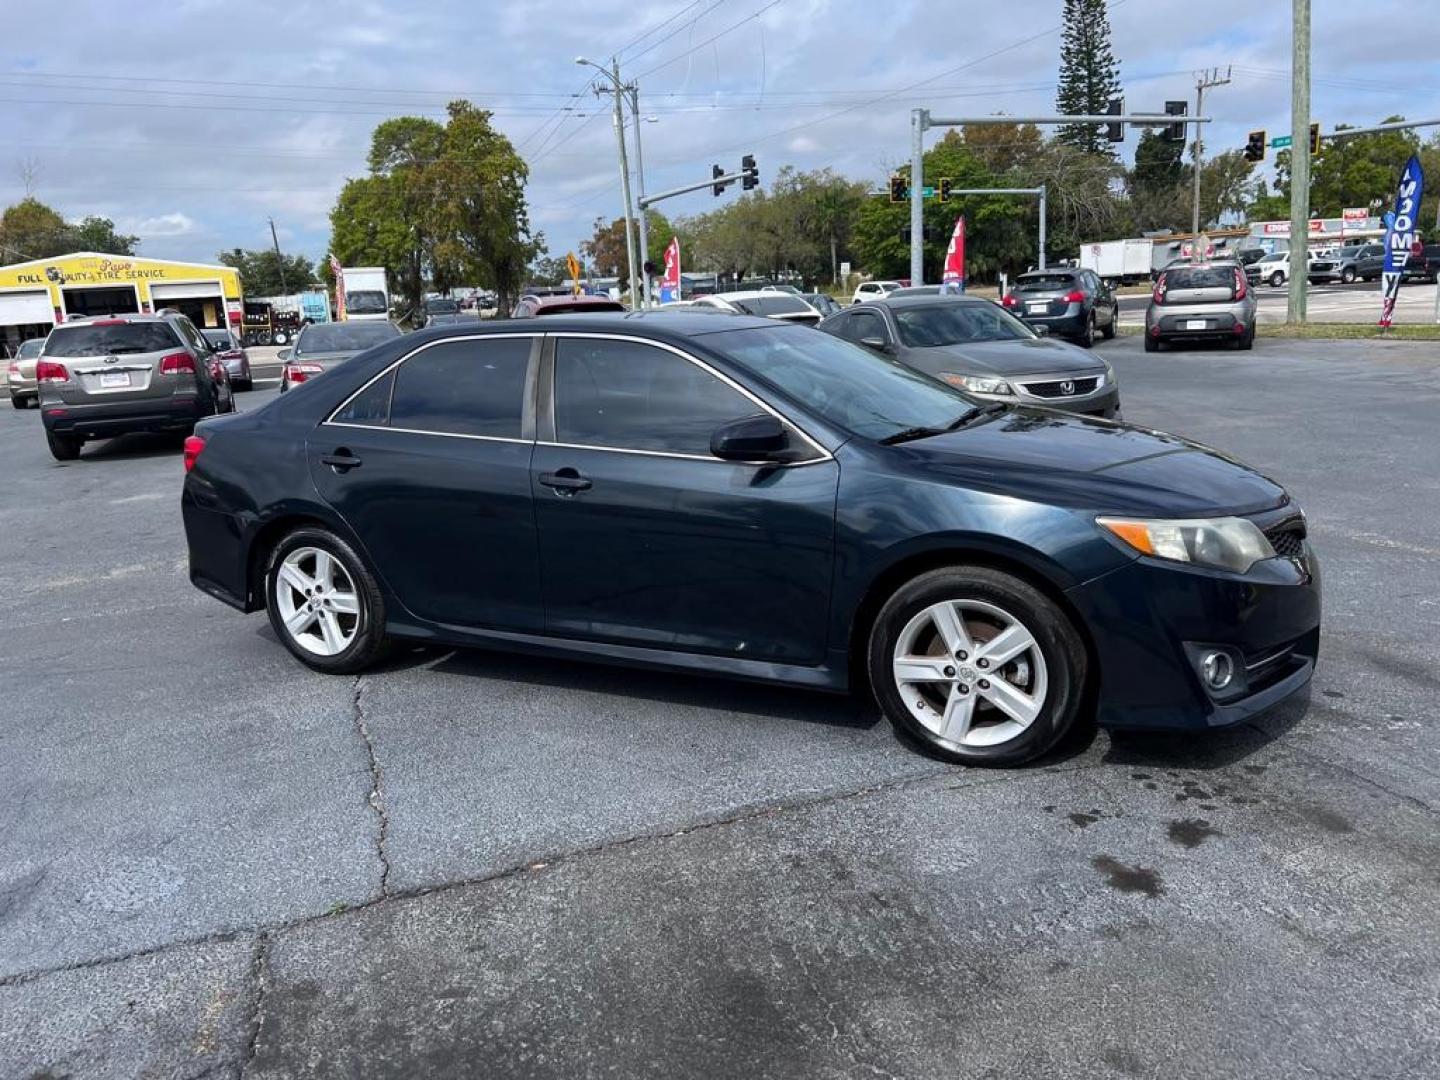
x: 956, y: 322
x: 117, y: 338
x: 855, y: 389
x: 371, y: 406
x: 218, y: 339
x: 441, y: 307
x: 1044, y: 282
x: 343, y: 337
x: 1200, y: 277
x: 637, y: 397
x: 864, y: 324
x: 472, y: 387
x: 773, y: 304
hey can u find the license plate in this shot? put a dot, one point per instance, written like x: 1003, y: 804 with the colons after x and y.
x: 114, y: 378
x: 1195, y: 324
x: 1038, y: 309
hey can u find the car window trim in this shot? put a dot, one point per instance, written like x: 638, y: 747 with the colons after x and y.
x: 823, y: 454
x: 527, y: 412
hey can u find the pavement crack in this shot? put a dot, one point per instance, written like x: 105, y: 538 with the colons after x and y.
x: 259, y: 971
x: 375, y: 798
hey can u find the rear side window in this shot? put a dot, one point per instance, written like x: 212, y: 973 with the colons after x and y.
x: 631, y: 396
x: 474, y: 387
x: 106, y: 339
x: 370, y: 407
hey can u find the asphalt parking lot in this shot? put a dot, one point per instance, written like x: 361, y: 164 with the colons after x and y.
x: 215, y: 862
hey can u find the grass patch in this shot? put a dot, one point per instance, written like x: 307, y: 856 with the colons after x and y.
x: 1331, y: 332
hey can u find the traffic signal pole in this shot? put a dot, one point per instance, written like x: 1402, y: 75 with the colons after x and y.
x: 1299, y: 161
x: 919, y: 121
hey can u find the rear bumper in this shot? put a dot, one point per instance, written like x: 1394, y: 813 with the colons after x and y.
x: 104, y: 421
x: 1196, y: 326
x: 217, y: 545
x: 1071, y: 323
x: 1151, y: 622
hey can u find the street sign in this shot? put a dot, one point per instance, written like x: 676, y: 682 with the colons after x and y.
x: 1280, y: 142
x: 927, y: 192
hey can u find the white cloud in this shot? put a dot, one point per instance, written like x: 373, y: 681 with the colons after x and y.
x: 163, y: 225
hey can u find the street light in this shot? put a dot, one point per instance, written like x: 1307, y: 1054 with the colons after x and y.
x: 613, y: 74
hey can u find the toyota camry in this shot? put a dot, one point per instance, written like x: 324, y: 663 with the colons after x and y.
x: 740, y: 497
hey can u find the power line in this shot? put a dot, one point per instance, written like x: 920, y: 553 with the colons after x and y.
x: 658, y: 26
x: 678, y: 30
x: 716, y: 37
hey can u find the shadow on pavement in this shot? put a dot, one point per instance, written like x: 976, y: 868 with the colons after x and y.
x: 133, y: 447
x: 1217, y: 749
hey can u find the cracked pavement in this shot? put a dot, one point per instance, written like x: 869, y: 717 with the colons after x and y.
x: 216, y: 863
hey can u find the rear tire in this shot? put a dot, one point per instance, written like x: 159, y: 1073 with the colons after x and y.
x: 64, y: 447
x: 1087, y: 339
x: 1247, y: 340
x: 1277, y: 279
x: 360, y: 635
x: 1152, y: 344
x: 18, y: 402
x: 1010, y: 711
x: 1110, y: 327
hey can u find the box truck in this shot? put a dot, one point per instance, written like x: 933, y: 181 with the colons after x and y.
x: 367, y: 296
x: 1125, y: 261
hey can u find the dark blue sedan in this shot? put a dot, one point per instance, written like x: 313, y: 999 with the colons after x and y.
x: 739, y: 497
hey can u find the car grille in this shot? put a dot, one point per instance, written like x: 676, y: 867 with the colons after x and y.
x: 1062, y: 388
x: 1288, y: 538
x: 1323, y: 267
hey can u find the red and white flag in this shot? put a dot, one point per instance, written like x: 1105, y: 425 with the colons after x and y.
x: 339, y: 272
x: 954, y: 273
x: 670, y: 282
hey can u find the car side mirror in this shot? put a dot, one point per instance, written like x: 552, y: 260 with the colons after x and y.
x: 753, y: 438
x: 879, y: 344
x: 283, y: 356
x: 1040, y: 331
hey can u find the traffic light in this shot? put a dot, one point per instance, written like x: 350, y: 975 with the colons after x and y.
x: 1314, y: 139
x: 899, y: 189
x: 751, y: 171
x: 716, y: 172
x: 1176, y: 132
x: 945, y: 184
x: 1255, y: 146
x: 1115, y: 132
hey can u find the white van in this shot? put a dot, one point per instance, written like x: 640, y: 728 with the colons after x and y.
x: 367, y: 295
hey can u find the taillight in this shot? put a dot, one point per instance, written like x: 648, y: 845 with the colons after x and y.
x: 51, y: 372
x: 180, y: 363
x: 1159, y: 294
x: 1009, y: 300
x: 1074, y: 297
x: 300, y: 372
x: 108, y: 322
x: 1240, y: 285
x: 193, y: 445
x: 14, y: 371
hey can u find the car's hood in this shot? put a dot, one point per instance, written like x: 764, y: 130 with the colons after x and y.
x: 1030, y: 356
x: 1093, y: 464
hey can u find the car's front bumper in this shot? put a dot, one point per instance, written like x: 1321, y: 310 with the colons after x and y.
x: 1150, y: 621
x: 105, y: 421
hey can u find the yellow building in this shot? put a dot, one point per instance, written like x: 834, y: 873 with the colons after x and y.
x: 35, y: 296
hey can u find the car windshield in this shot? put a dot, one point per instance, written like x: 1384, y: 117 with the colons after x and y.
x: 441, y: 307
x: 218, y: 339
x: 1044, y: 282
x: 773, y: 304
x: 1200, y: 277
x: 956, y: 322
x: 365, y: 302
x: 853, y: 388
x: 343, y: 337
x: 110, y: 339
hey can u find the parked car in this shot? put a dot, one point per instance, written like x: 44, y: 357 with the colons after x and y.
x: 322, y: 347
x: 1359, y: 261
x: 1070, y: 303
x: 1323, y: 268
x: 232, y: 354
x: 1422, y: 267
x: 772, y: 305
x: 531, y: 306
x: 750, y: 499
x: 20, y: 375
x: 444, y: 312
x: 1273, y: 269
x: 118, y: 374
x: 1201, y: 302
x: 873, y: 290
x: 821, y: 302
x: 791, y: 289
x: 974, y: 344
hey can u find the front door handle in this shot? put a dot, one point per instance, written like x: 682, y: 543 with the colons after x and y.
x: 564, y: 481
x: 341, y: 460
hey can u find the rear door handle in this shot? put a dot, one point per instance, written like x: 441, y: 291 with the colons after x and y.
x: 564, y: 482
x: 341, y: 460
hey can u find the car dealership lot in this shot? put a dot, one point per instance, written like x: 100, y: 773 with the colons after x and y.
x: 212, y: 857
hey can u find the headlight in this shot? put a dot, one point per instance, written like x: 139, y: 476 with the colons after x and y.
x: 977, y: 384
x: 1227, y: 543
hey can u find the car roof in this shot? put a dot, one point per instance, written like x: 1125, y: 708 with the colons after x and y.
x: 921, y: 300
x: 1049, y: 272
x: 673, y: 325
x: 125, y: 316
x: 583, y: 300
x: 753, y: 294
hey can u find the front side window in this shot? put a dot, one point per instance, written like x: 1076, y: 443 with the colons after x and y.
x: 865, y: 324
x: 631, y: 396
x: 471, y: 387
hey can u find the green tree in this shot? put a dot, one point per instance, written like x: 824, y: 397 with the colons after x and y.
x: 32, y: 230
x: 606, y: 246
x: 1361, y: 171
x: 98, y: 234
x: 260, y: 271
x: 1089, y: 73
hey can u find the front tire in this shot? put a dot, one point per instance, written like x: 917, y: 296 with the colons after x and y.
x: 64, y: 447
x: 1277, y: 279
x: 1347, y: 276
x: 323, y: 603
x: 977, y: 665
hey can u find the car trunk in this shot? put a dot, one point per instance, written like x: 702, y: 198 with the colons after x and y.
x: 1044, y: 295
x: 113, y: 363
x: 1199, y: 285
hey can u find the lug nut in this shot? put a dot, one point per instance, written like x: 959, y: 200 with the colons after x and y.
x: 963, y: 688
x: 949, y: 673
x: 984, y: 684
x: 960, y: 654
x: 982, y: 662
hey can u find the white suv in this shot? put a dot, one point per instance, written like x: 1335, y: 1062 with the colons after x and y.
x: 874, y: 290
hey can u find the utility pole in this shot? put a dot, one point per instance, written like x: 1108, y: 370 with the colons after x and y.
x: 1204, y: 80
x: 640, y: 192
x: 1299, y: 160
x: 625, y: 181
x: 919, y: 121
x: 279, y: 259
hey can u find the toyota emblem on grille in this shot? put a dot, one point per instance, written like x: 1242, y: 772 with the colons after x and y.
x: 1067, y: 388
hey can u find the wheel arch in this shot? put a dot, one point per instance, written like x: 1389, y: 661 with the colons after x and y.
x: 275, y: 528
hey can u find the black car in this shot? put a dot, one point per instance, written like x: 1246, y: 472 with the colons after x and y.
x: 974, y: 344
x: 741, y: 497
x: 1070, y: 303
x: 1424, y: 266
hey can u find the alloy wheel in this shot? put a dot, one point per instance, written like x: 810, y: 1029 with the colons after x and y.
x: 970, y: 672
x: 317, y: 601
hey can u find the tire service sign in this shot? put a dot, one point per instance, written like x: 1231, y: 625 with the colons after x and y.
x: 1400, y: 235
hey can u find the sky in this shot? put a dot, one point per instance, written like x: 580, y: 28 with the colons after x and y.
x: 192, y: 124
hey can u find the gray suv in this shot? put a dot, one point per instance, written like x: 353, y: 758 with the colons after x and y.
x: 1201, y: 302
x: 116, y: 374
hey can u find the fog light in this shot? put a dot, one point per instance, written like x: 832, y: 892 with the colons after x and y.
x: 1217, y: 669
